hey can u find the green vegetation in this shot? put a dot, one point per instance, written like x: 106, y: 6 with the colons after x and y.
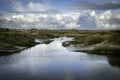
x: 12, y: 40
x: 9, y: 39
x: 93, y: 39
x: 90, y: 39
x: 114, y: 38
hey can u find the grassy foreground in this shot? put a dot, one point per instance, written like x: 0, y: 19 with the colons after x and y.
x: 109, y: 40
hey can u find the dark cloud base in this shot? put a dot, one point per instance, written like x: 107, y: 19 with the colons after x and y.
x: 97, y: 6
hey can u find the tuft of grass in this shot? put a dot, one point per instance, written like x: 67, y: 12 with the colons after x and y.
x: 114, y: 38
x: 95, y: 39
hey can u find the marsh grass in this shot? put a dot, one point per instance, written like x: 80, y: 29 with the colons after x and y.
x: 114, y: 38
x: 11, y: 38
x: 95, y: 39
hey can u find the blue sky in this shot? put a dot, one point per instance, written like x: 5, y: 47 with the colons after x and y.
x: 7, y: 5
x: 60, y: 14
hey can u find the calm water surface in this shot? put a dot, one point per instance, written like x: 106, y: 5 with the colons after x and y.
x: 54, y: 62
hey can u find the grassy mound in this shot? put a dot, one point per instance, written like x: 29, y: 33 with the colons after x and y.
x: 114, y: 38
x: 95, y: 39
x: 11, y: 39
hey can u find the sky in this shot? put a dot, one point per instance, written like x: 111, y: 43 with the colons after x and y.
x: 60, y: 14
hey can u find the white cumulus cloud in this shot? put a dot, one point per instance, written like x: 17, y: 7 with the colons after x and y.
x: 65, y: 20
x: 107, y: 20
